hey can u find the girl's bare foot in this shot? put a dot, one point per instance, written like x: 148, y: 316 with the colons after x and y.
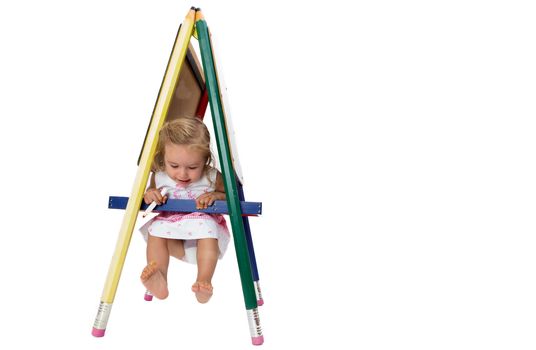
x: 202, y: 290
x: 154, y: 281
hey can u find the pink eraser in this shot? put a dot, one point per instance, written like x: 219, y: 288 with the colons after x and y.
x: 148, y: 297
x: 260, y: 302
x: 257, y: 340
x: 98, y: 332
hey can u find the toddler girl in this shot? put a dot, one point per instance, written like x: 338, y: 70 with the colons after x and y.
x: 182, y: 168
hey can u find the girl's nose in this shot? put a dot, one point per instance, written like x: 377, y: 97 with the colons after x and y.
x: 182, y: 173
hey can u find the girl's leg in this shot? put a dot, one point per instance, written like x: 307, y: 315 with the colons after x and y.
x: 154, y: 275
x: 207, y: 257
x: 176, y: 248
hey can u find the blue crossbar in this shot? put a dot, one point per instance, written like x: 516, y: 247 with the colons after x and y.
x: 188, y: 206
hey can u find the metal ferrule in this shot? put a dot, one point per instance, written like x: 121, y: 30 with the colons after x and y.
x: 254, y: 323
x: 258, y: 290
x: 102, y: 315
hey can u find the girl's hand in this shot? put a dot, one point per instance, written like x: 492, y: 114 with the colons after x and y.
x: 153, y: 194
x: 207, y: 199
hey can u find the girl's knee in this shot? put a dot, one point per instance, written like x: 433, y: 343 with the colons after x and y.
x: 207, y: 242
x: 156, y: 240
x: 157, y: 244
x: 208, y: 246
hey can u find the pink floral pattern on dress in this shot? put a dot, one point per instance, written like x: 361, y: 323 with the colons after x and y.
x: 191, y: 195
x: 177, y: 217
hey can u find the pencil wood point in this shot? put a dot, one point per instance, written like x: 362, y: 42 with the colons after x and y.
x: 199, y: 15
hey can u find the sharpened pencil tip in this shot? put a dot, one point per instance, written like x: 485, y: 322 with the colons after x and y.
x: 199, y: 15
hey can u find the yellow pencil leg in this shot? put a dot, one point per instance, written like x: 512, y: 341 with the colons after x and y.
x: 134, y: 203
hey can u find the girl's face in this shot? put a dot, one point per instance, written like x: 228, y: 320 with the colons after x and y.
x: 183, y: 164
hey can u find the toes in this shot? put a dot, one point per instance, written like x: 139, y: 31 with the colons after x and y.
x: 202, y: 286
x: 148, y: 271
x: 145, y: 274
x: 203, y: 291
x: 205, y: 286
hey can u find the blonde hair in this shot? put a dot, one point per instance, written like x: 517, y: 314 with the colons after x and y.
x: 189, y: 131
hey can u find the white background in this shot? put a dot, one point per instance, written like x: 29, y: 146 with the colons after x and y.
x: 391, y: 143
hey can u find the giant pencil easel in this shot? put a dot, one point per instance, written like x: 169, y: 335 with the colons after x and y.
x: 185, y: 92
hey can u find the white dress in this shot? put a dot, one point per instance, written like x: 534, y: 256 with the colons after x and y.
x: 188, y: 226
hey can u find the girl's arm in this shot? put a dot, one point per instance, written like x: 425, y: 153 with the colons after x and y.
x: 152, y: 193
x: 207, y: 199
